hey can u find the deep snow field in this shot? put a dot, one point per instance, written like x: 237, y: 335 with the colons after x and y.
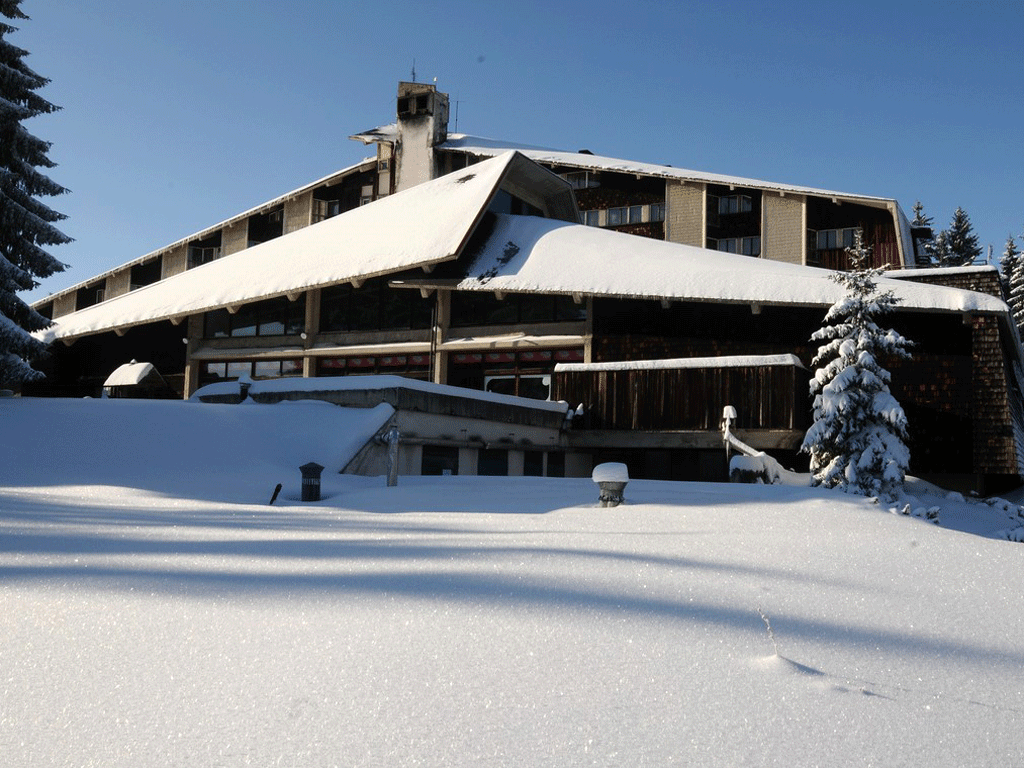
x: 155, y: 611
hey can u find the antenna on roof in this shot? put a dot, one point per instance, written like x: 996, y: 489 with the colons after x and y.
x: 456, y: 115
x: 414, y: 70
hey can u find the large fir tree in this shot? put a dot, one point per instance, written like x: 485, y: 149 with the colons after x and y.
x: 857, y: 440
x: 1011, y: 256
x: 26, y: 225
x: 1015, y: 284
x: 961, y: 244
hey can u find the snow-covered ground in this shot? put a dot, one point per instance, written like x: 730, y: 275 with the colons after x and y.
x: 156, y: 611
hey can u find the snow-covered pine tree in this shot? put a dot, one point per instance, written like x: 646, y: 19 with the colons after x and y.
x: 1016, y: 291
x: 857, y: 441
x: 1011, y: 255
x: 26, y: 225
x: 961, y: 241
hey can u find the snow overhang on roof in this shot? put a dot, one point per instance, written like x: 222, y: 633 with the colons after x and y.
x: 419, y: 227
x: 475, y: 145
x: 387, y: 132
x: 526, y: 254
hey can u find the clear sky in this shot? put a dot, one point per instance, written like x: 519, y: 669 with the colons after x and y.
x: 181, y: 113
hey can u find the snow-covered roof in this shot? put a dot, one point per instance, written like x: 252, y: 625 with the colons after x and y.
x: 910, y: 274
x: 129, y: 374
x: 733, y: 361
x: 476, y: 145
x: 375, y: 384
x: 526, y: 254
x: 403, y: 231
x: 432, y: 223
x: 207, y: 231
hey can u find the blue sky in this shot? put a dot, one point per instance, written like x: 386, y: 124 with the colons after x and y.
x: 179, y: 114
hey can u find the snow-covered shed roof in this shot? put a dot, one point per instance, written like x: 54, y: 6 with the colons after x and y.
x: 129, y: 374
x: 527, y: 254
x: 419, y: 227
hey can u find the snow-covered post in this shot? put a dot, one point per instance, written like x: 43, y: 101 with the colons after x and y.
x: 857, y: 440
x: 611, y: 478
x: 391, y: 438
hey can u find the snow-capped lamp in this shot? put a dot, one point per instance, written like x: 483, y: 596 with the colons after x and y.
x: 611, y: 478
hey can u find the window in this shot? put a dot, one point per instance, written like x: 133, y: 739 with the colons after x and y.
x: 273, y: 317
x: 409, y: 366
x: 439, y: 460
x: 592, y: 218
x: 617, y: 216
x: 477, y: 308
x: 748, y: 246
x: 828, y: 239
x: 325, y: 209
x: 582, y: 179
x: 492, y: 461
x: 374, y: 306
x: 735, y: 204
x: 533, y: 463
x: 258, y: 369
x: 636, y: 214
x: 657, y: 212
x: 199, y: 255
x: 535, y: 387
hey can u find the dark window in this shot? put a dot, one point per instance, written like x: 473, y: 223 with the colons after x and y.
x: 533, y: 463
x: 146, y: 273
x: 492, y: 461
x: 272, y: 317
x: 556, y: 464
x: 478, y: 308
x: 439, y: 460
x: 374, y: 306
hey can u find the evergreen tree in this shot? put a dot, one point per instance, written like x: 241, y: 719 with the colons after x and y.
x: 1011, y: 255
x: 26, y: 225
x: 924, y: 252
x: 963, y: 248
x: 857, y: 440
x: 920, y: 219
x: 1015, y: 287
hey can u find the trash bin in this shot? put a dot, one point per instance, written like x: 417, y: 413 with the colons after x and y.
x: 311, y: 481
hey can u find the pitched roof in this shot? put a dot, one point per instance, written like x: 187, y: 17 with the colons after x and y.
x: 483, y: 147
x: 527, y: 254
x: 403, y: 231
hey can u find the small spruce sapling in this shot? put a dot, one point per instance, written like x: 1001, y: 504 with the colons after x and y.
x: 857, y: 441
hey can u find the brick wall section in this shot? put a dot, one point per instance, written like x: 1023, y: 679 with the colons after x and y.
x: 982, y: 281
x: 118, y: 283
x: 175, y: 261
x: 783, y: 236
x: 64, y: 305
x: 234, y: 238
x: 298, y: 212
x: 994, y: 444
x: 684, y: 217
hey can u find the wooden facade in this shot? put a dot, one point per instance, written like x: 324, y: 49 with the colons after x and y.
x: 686, y: 398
